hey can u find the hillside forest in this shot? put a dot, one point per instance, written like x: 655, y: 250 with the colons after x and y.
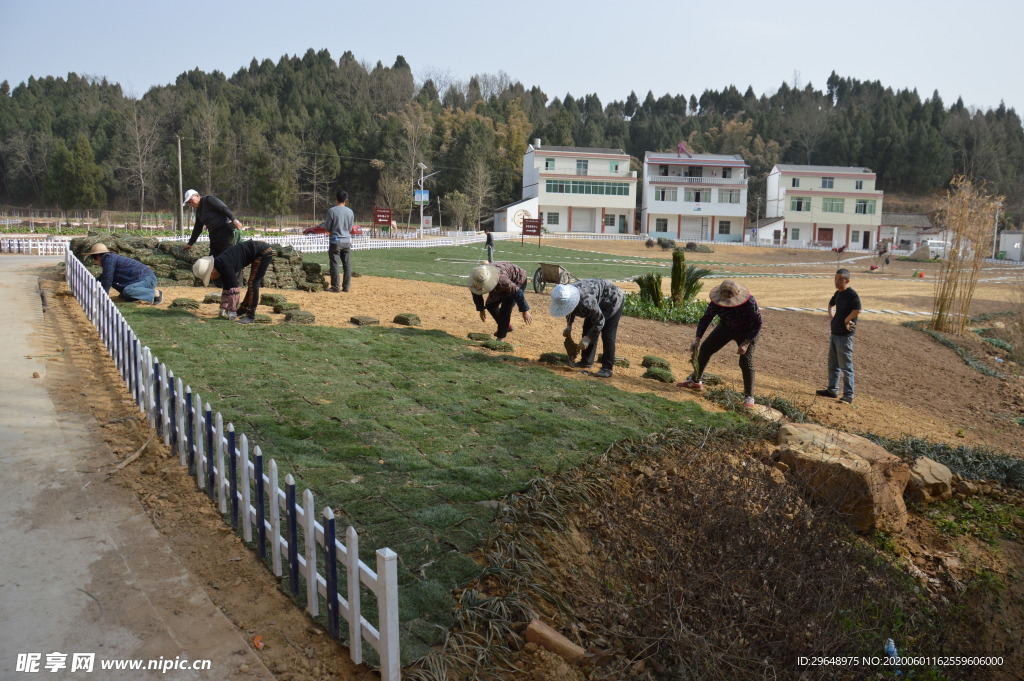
x: 277, y: 138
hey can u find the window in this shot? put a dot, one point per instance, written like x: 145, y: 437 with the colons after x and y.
x: 581, y: 166
x: 695, y: 171
x: 609, y: 220
x: 586, y: 187
x: 613, y: 166
x: 800, y: 204
x: 697, y: 195
x: 724, y: 227
x: 855, y: 238
x: 552, y: 218
x: 827, y: 182
x: 865, y: 207
x: 666, y: 193
x: 796, y: 181
x: 660, y: 224
x: 663, y: 171
x: 549, y: 164
x: 832, y: 205
x: 726, y: 173
x: 728, y: 195
x: 794, y: 234
x: 860, y: 184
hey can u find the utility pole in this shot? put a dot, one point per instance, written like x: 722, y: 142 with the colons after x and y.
x: 995, y: 233
x: 422, y: 168
x: 181, y: 191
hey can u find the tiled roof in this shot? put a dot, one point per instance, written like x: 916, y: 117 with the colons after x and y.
x: 582, y: 150
x: 822, y: 169
x: 906, y: 220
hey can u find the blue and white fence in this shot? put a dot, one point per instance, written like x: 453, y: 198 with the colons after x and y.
x: 247, y: 488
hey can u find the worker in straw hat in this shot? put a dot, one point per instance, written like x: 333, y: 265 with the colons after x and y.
x: 739, y: 320
x: 130, y: 278
x: 599, y: 303
x: 503, y: 283
x: 257, y: 255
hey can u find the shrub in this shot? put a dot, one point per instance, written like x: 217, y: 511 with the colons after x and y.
x: 650, y: 288
x: 666, y: 244
x: 688, y: 312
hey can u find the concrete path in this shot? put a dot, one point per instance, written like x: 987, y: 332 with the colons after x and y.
x: 82, y: 569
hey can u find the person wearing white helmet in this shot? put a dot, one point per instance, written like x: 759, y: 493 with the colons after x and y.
x: 503, y: 283
x: 599, y: 303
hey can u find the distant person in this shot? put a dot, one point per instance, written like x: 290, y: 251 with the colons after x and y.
x: 257, y: 254
x: 739, y: 320
x: 843, y: 310
x: 599, y: 303
x: 130, y: 278
x: 219, y: 221
x: 504, y: 284
x: 339, y: 225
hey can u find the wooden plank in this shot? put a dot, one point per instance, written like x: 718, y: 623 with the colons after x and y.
x: 309, y: 536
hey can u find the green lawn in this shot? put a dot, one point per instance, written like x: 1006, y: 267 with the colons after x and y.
x: 409, y: 435
x: 451, y: 264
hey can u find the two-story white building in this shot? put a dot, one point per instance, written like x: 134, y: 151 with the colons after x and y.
x: 694, y: 196
x: 825, y: 205
x: 581, y: 189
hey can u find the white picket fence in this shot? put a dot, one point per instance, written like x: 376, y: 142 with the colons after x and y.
x: 34, y: 246
x: 248, y: 489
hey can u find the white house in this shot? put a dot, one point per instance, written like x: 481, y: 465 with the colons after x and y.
x: 1011, y: 245
x: 907, y: 230
x: 581, y: 189
x: 830, y: 206
x: 694, y: 196
x: 510, y: 218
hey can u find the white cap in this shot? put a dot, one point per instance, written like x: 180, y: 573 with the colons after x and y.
x: 188, y: 196
x: 564, y: 299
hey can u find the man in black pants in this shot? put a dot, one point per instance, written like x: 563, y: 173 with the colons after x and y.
x: 225, y: 266
x: 599, y: 303
x: 503, y: 284
x: 218, y: 219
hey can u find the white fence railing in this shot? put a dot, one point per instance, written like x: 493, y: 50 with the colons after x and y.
x: 248, y: 489
x: 34, y: 246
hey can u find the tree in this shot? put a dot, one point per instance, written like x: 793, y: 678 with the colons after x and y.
x: 139, y: 154
x: 320, y: 170
x: 460, y: 209
x: 394, y: 192
x: 74, y: 178
x: 479, y: 187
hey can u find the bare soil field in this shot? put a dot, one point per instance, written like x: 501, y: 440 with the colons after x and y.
x: 907, y: 384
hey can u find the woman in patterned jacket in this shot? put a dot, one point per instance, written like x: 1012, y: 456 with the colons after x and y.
x: 599, y: 303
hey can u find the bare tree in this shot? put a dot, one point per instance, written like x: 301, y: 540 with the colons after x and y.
x: 205, y: 128
x: 320, y: 170
x: 27, y: 155
x: 460, y: 209
x: 479, y: 187
x: 807, y: 123
x: 139, y: 156
x: 394, y: 192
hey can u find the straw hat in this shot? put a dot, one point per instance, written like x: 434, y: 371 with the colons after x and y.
x: 97, y: 249
x: 564, y: 299
x: 729, y: 294
x: 203, y: 268
x: 483, y: 279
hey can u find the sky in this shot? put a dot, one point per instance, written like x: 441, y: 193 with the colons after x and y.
x: 969, y: 50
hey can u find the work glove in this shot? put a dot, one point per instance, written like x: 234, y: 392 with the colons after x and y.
x: 584, y: 343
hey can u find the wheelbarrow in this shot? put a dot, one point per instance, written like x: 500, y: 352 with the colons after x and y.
x: 548, y: 273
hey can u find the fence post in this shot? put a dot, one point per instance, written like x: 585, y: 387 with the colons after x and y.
x: 190, y: 432
x: 233, y: 475
x: 246, y: 491
x: 309, y: 535
x: 275, y: 520
x: 172, y: 413
x: 331, y: 570
x: 387, y: 598
x: 179, y: 425
x: 355, y: 616
x: 220, y: 476
x: 293, y: 534
x: 158, y: 389
x: 209, y: 451
x: 261, y: 529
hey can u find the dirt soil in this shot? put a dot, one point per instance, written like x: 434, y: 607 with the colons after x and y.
x: 294, y: 647
x: 907, y: 384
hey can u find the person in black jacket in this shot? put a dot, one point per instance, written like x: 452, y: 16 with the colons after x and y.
x: 218, y: 219
x: 843, y: 310
x: 225, y: 266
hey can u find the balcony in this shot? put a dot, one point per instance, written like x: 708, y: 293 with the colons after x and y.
x: 683, y: 179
